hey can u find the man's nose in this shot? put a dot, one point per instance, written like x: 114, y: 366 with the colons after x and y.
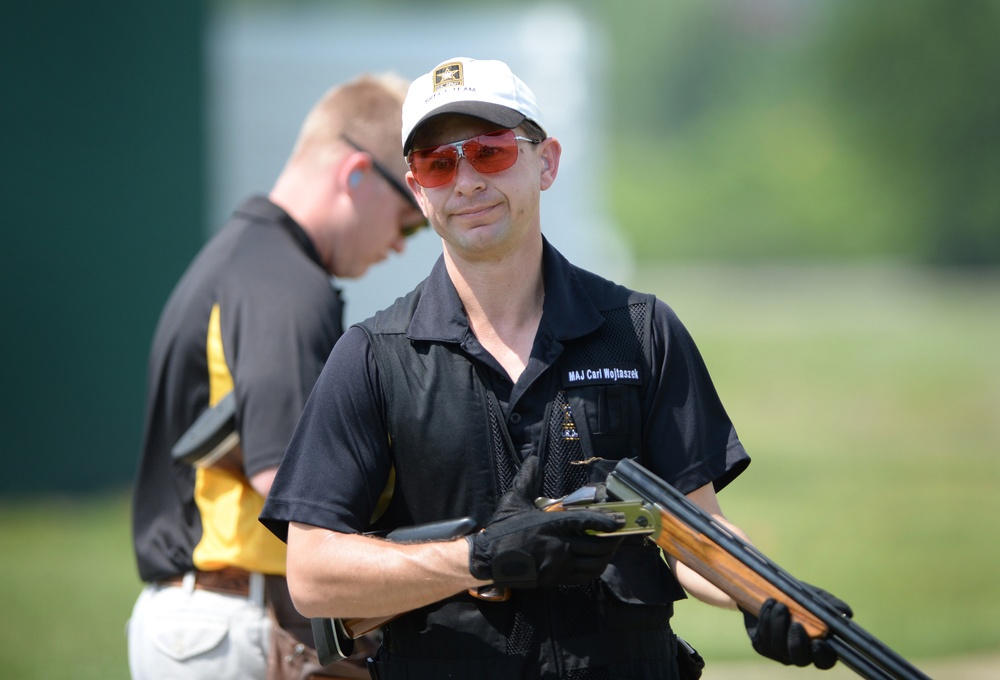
x: 466, y: 174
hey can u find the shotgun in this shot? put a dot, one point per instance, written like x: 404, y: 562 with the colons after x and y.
x: 692, y: 536
x: 645, y: 504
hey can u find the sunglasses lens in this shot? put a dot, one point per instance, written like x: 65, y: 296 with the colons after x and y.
x: 493, y: 152
x: 487, y: 153
x: 434, y: 167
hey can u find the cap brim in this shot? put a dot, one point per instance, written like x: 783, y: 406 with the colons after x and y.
x: 494, y: 113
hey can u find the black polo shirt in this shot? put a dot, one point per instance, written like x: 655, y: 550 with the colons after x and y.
x: 339, y: 459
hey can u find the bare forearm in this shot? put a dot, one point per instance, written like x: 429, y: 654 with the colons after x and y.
x: 692, y: 582
x: 261, y: 482
x: 349, y: 575
x: 699, y: 588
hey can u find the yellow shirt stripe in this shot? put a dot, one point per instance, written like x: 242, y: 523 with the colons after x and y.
x: 229, y: 506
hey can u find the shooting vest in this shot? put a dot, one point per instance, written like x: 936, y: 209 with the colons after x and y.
x: 615, y: 627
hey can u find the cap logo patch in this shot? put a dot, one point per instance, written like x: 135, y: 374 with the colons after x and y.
x: 448, y: 75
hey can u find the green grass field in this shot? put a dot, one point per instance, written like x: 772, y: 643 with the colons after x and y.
x: 868, y: 397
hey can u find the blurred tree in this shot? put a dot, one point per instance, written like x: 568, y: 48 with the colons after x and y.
x: 726, y: 145
x: 921, y: 83
x: 833, y: 130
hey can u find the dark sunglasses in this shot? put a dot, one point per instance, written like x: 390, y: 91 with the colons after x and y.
x: 395, y: 183
x: 490, y: 152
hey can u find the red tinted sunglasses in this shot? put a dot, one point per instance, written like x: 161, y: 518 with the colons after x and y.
x: 490, y: 152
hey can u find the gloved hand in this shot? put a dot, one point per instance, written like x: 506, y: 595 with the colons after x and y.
x: 524, y: 547
x: 774, y: 635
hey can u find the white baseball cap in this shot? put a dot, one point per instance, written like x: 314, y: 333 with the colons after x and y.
x: 483, y: 88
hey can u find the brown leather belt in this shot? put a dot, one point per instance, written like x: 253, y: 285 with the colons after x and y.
x: 228, y: 581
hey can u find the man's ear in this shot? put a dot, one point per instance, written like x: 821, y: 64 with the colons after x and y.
x: 551, y: 152
x: 351, y: 171
x: 416, y: 190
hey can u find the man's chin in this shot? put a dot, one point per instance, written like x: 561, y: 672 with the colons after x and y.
x: 356, y: 272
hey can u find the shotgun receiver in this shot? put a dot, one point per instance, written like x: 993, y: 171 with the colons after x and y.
x: 645, y: 504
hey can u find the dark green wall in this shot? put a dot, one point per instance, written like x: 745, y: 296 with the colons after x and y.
x: 103, y: 181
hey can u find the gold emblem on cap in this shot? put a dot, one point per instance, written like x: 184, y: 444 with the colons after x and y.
x: 449, y: 74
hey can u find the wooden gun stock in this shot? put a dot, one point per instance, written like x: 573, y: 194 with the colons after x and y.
x: 727, y: 573
x: 355, y: 628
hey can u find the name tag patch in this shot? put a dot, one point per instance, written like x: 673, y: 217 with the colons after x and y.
x: 618, y: 374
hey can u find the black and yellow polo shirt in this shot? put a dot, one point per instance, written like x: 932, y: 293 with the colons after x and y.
x: 257, y: 314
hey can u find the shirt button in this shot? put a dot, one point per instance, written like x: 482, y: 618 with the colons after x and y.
x: 515, y: 418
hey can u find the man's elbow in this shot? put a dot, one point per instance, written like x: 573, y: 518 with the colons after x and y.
x: 303, y: 571
x: 307, y: 599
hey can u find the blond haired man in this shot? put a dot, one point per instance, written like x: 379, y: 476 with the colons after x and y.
x: 255, y: 316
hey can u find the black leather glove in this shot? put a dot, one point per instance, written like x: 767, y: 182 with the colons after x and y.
x: 774, y: 634
x: 524, y: 547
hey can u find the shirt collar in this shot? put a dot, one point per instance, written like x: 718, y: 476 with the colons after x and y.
x: 261, y: 209
x: 567, y: 311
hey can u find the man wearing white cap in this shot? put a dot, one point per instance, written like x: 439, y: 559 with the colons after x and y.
x: 507, y: 374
